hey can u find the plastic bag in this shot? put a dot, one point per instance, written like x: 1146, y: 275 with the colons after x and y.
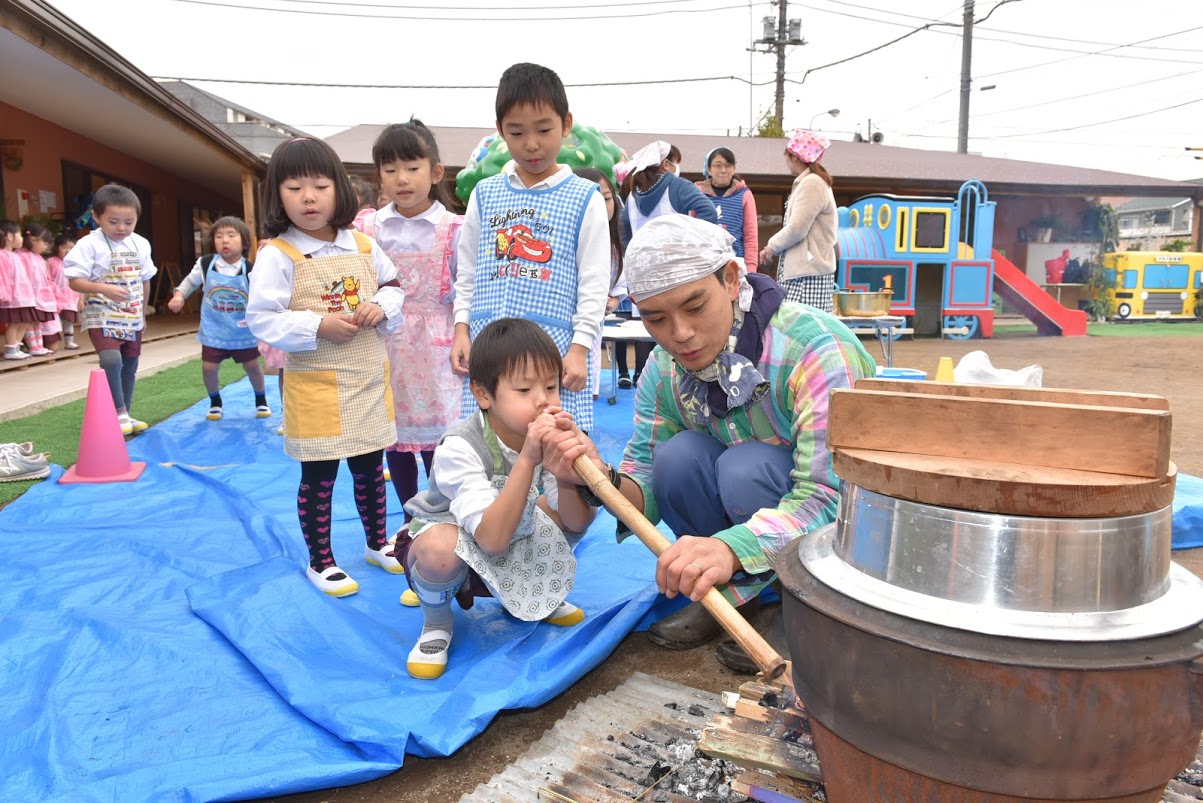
x: 975, y: 369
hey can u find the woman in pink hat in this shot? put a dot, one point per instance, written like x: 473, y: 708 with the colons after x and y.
x: 806, y: 243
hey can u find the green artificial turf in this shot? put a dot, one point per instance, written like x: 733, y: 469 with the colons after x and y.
x: 156, y: 397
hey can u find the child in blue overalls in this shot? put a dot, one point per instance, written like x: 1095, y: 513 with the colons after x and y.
x: 223, y: 273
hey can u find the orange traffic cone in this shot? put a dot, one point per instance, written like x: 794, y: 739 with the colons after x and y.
x: 102, y: 453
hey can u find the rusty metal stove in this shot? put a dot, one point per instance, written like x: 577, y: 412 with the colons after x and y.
x: 1033, y: 643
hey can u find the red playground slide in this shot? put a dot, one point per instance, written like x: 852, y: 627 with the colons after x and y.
x: 1036, y: 305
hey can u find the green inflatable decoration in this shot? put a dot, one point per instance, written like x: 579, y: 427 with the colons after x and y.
x: 586, y: 146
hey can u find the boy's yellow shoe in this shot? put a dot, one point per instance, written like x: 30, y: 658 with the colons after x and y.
x: 566, y: 615
x: 409, y: 599
x: 428, y: 659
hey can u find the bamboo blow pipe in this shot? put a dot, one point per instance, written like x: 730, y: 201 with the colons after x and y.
x: 771, y: 664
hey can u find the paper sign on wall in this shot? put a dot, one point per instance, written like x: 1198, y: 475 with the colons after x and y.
x: 47, y: 200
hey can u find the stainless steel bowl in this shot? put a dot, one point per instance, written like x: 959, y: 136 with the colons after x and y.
x: 1027, y: 577
x: 860, y: 304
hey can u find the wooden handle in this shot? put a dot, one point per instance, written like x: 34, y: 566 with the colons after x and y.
x: 771, y: 664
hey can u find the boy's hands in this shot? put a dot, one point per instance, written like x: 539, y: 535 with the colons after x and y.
x: 565, y: 443
x: 532, y: 447
x: 177, y: 301
x: 113, y: 292
x: 460, y: 350
x: 337, y: 328
x: 368, y: 315
x: 576, y: 367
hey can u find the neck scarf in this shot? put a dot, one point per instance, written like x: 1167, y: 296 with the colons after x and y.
x: 734, y: 380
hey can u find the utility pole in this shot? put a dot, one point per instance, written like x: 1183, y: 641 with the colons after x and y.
x: 777, y: 37
x: 966, y: 58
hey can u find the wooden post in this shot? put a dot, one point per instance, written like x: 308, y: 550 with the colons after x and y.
x: 248, y: 205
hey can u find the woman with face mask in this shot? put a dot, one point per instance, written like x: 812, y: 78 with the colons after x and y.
x: 734, y: 203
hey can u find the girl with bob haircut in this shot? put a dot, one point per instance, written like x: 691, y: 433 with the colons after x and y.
x: 327, y: 296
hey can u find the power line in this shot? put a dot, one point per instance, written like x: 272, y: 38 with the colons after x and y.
x: 1075, y: 96
x: 1103, y: 53
x: 1100, y: 122
x: 997, y: 30
x: 453, y: 86
x: 426, y: 7
x: 461, y: 18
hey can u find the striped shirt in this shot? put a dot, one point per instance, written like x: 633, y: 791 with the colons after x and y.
x: 806, y: 354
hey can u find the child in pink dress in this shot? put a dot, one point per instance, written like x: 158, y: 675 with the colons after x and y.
x: 420, y: 236
x: 69, y: 301
x: 46, y: 337
x: 21, y: 283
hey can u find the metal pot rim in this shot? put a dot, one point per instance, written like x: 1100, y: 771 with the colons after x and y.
x: 1179, y: 608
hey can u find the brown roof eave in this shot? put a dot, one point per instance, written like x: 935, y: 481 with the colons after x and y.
x: 59, y: 35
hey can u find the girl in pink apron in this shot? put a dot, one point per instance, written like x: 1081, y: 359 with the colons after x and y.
x: 69, y: 301
x: 18, y: 294
x: 420, y: 236
x: 46, y: 337
x: 327, y: 296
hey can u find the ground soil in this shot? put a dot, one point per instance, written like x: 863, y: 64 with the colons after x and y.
x: 1165, y: 366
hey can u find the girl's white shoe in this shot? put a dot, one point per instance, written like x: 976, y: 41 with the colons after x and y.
x: 383, y: 558
x: 343, y: 587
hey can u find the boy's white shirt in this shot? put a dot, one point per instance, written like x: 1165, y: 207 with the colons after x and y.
x: 89, y: 258
x: 196, y: 277
x: 462, y: 478
x: 267, y: 312
x: 592, y: 258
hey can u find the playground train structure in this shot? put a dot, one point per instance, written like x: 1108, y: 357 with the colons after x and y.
x: 937, y: 256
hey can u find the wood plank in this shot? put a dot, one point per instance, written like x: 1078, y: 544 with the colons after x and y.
x: 750, y: 750
x: 1093, y: 398
x: 750, y: 781
x: 993, y: 487
x: 1112, y: 440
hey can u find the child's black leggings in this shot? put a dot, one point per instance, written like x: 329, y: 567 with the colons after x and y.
x: 404, y: 468
x: 314, y: 503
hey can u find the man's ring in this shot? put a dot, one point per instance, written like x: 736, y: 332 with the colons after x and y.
x: 695, y: 563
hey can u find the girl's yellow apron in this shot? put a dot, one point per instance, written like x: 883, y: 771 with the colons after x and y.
x: 337, y: 399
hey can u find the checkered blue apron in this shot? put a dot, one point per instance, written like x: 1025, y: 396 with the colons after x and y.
x: 526, y: 267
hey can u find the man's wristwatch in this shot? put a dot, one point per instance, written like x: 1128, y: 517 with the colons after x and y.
x: 586, y: 493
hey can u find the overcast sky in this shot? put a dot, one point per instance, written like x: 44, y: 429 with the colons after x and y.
x: 1063, y: 72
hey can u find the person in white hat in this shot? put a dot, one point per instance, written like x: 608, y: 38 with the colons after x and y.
x: 730, y: 440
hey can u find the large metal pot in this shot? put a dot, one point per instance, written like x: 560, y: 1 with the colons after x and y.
x: 1103, y: 579
x: 861, y: 304
x: 909, y: 710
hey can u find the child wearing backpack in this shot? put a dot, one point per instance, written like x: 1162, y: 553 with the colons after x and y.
x: 224, y: 275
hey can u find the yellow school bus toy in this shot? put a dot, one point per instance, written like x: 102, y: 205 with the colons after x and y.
x: 1154, y: 284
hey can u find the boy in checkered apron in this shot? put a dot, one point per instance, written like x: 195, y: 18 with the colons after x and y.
x: 535, y: 242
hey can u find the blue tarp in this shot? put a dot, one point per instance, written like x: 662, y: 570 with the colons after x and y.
x: 158, y: 640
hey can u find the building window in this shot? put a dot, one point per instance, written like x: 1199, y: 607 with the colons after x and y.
x: 80, y: 183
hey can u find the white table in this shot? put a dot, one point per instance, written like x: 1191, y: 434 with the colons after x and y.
x: 618, y: 335
x: 884, y: 329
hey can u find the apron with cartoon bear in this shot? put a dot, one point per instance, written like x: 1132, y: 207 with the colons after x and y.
x: 337, y: 398
x: 120, y: 320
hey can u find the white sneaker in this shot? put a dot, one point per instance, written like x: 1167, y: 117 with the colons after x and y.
x: 40, y: 351
x: 24, y: 449
x: 127, y: 424
x: 214, y: 413
x: 138, y: 426
x: 15, y: 467
x: 70, y: 344
x: 17, y: 354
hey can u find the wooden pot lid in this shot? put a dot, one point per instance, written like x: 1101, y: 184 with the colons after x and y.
x: 1016, y: 489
